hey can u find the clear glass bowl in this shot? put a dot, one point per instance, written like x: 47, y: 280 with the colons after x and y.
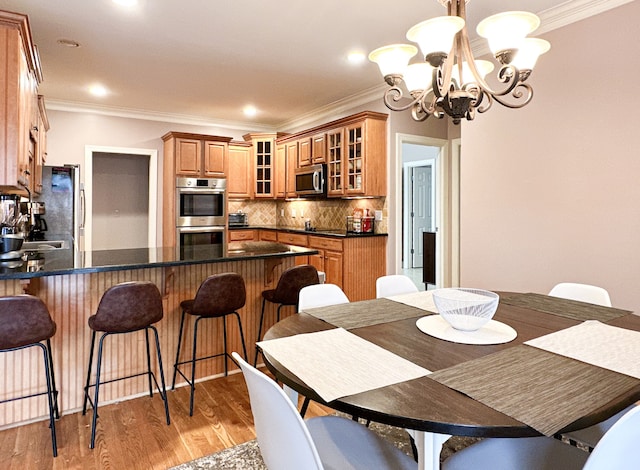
x: 466, y: 309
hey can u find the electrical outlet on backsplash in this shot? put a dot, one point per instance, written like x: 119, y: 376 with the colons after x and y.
x: 327, y: 214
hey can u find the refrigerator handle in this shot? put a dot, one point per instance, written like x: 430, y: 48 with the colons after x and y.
x: 83, y: 211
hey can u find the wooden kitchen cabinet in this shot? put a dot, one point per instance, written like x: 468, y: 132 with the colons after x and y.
x: 41, y: 148
x: 329, y: 259
x: 240, y: 173
x: 335, y: 157
x: 242, y: 235
x: 281, y: 174
x: 364, y: 171
x: 20, y: 75
x: 304, y: 152
x: 319, y: 148
x: 196, y: 155
x: 264, y: 163
x: 292, y: 164
x: 268, y: 235
x: 296, y: 239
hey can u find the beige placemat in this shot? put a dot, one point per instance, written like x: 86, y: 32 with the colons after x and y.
x: 595, y: 343
x: 365, y: 313
x: 563, y: 307
x: 336, y: 363
x: 422, y: 300
x: 541, y: 389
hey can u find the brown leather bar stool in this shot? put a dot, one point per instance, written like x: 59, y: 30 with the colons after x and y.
x: 218, y: 296
x: 25, y: 322
x: 286, y: 292
x: 125, y: 308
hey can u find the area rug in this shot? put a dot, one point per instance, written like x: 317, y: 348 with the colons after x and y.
x: 247, y: 456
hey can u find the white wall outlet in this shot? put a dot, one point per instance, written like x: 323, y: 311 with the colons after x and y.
x: 301, y: 213
x: 378, y: 215
x: 281, y: 212
x: 293, y: 213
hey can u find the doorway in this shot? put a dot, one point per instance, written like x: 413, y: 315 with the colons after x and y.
x: 120, y: 187
x: 420, y: 203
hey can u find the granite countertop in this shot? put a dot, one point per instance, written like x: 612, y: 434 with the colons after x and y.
x: 325, y: 232
x: 68, y: 261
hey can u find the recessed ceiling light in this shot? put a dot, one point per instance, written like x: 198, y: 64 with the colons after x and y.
x: 126, y: 3
x: 98, y: 90
x: 68, y: 43
x: 250, y: 111
x: 356, y: 57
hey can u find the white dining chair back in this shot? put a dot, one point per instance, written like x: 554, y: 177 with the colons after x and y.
x: 618, y: 449
x: 394, y: 284
x: 321, y: 295
x: 286, y: 441
x: 582, y: 292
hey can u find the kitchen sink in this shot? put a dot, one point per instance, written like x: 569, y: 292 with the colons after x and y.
x: 45, y: 245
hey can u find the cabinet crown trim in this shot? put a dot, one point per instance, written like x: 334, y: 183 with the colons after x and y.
x: 345, y: 121
x: 187, y: 135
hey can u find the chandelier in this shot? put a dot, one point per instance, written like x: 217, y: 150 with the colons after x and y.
x: 450, y: 81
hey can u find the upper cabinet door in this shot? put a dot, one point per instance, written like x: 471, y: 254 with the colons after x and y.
x: 188, y: 157
x: 264, y: 163
x: 240, y: 172
x: 304, y: 152
x: 215, y: 161
x: 319, y: 149
x: 335, y: 162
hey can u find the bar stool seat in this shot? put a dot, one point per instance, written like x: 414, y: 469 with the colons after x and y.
x: 219, y: 295
x: 287, y: 292
x: 25, y: 322
x: 125, y: 308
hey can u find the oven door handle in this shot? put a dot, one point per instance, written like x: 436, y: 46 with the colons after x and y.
x: 199, y: 191
x: 200, y: 229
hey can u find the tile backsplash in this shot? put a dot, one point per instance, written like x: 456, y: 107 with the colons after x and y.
x: 324, y: 214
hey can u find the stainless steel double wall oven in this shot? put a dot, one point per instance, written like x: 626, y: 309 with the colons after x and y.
x: 201, y: 217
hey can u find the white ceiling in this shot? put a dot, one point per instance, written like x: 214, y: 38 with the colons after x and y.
x: 206, y: 59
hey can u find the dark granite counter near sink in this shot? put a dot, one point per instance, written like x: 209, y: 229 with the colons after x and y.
x: 67, y: 261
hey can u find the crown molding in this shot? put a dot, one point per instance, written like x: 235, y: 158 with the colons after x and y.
x: 558, y: 17
x: 76, y: 107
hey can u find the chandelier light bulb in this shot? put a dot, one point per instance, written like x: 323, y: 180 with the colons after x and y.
x: 393, y: 59
x: 417, y: 77
x: 528, y: 53
x: 506, y: 31
x: 435, y: 36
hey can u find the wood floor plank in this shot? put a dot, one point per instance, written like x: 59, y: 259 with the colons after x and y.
x: 134, y: 433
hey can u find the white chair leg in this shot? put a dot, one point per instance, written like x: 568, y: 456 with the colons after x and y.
x: 429, y: 445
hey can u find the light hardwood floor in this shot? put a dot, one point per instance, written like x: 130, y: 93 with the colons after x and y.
x: 133, y: 434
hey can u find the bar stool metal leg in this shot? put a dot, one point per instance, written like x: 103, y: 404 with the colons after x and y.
x: 176, y: 363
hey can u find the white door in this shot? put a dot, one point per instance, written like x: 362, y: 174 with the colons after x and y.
x: 422, y: 210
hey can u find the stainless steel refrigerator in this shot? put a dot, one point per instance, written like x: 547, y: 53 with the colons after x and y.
x: 63, y: 195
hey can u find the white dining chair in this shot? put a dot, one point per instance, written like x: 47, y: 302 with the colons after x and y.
x: 598, y: 296
x: 313, y: 296
x: 582, y: 292
x: 617, y: 450
x: 394, y: 284
x: 287, y: 441
x: 321, y: 295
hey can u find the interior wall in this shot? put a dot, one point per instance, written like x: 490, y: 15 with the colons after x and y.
x: 120, y: 212
x: 549, y: 193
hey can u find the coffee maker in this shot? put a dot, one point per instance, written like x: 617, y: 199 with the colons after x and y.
x: 37, y: 223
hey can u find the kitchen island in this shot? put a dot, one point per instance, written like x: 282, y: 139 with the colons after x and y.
x: 72, y: 283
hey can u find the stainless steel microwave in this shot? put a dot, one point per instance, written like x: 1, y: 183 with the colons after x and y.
x: 310, y: 180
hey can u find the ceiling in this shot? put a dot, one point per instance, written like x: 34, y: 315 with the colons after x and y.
x: 204, y: 60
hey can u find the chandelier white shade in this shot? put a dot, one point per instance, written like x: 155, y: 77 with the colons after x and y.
x: 450, y: 81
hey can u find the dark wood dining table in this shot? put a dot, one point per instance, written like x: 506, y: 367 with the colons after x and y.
x: 432, y: 410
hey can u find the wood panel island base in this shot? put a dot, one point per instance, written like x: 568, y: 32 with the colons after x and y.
x: 72, y: 295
